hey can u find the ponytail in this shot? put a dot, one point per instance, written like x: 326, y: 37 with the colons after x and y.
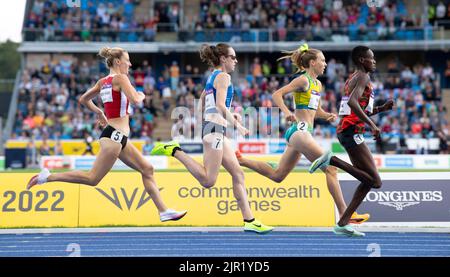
x: 301, y: 56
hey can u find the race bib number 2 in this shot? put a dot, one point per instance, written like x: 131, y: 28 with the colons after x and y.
x: 302, y: 126
x: 314, y: 100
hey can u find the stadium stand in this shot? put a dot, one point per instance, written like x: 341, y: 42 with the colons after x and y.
x: 234, y: 21
x: 49, y: 89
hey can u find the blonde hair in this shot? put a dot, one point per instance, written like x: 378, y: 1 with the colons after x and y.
x: 110, y: 54
x: 301, y: 56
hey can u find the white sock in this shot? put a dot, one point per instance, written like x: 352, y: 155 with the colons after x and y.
x: 43, y: 175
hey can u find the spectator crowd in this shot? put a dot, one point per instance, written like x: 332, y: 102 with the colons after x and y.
x: 48, y: 106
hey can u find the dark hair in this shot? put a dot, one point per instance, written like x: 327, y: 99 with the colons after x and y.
x: 110, y: 54
x: 359, y: 52
x: 301, y: 56
x: 211, y: 54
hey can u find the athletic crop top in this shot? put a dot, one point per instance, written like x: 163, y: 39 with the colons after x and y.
x: 308, y: 99
x: 210, y: 95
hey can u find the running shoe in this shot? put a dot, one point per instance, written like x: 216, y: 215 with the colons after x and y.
x: 359, y: 218
x: 39, y: 178
x: 348, y: 231
x: 257, y: 227
x: 171, y: 215
x: 165, y: 149
x: 323, y: 160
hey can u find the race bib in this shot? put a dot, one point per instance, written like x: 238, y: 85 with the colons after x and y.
x: 314, y: 100
x: 106, y: 94
x: 116, y: 136
x: 344, y: 108
x: 217, y: 143
x: 358, y: 138
x: 302, y: 126
x: 369, y: 107
x: 210, y: 102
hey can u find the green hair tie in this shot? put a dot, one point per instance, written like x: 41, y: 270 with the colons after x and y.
x: 303, y: 48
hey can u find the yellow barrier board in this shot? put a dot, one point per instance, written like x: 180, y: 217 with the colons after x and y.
x: 69, y: 147
x: 120, y: 199
x: 52, y: 205
x: 300, y: 200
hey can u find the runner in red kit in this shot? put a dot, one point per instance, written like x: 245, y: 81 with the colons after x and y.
x: 355, y: 109
x: 116, y: 93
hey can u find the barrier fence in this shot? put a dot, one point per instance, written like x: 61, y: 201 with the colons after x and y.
x: 302, y: 199
x: 161, y: 162
x: 120, y: 199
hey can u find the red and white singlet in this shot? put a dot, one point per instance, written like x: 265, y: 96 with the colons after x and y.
x: 115, y: 102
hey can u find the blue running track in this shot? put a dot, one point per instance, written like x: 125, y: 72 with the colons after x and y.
x: 224, y: 244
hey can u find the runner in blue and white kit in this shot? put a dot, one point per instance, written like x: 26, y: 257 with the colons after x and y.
x: 217, y: 149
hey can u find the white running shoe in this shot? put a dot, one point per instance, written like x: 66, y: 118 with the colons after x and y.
x: 348, y: 231
x: 171, y: 215
x: 39, y: 179
x: 321, y: 162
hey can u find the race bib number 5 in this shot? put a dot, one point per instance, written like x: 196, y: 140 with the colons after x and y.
x: 116, y: 136
x: 106, y: 94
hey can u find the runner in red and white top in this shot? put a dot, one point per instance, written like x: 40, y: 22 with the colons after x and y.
x: 115, y: 102
x: 117, y: 94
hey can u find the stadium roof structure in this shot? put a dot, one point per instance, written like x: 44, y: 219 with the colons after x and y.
x: 186, y: 47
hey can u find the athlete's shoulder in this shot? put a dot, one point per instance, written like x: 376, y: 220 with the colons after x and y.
x: 223, y: 77
x: 361, y: 77
x: 100, y: 82
x: 319, y: 83
x: 301, y: 82
x: 222, y: 74
x: 120, y: 77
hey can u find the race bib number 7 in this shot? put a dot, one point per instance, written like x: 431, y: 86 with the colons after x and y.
x: 217, y: 143
x: 210, y: 102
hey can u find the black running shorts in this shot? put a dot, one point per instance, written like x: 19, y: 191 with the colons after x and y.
x: 349, y: 139
x: 211, y: 127
x: 114, y: 135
